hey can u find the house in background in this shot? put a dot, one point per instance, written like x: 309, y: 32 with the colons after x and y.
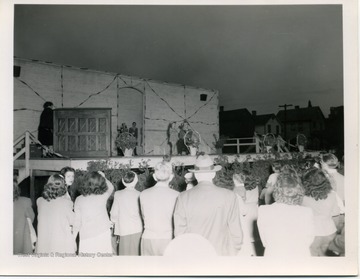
x: 309, y: 121
x: 266, y: 123
x: 237, y: 123
x: 334, y: 133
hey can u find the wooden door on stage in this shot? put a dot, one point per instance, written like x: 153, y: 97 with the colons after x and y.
x: 82, y: 132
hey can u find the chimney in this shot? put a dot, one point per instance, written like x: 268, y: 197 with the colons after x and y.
x: 297, y: 107
x: 221, y: 108
x: 253, y: 113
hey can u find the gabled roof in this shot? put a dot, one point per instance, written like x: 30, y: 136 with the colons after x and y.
x: 235, y: 114
x: 301, y: 114
x: 261, y: 120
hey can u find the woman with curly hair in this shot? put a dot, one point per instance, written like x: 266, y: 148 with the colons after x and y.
x: 55, y: 218
x: 320, y: 197
x: 286, y: 228
x: 22, y: 210
x: 91, y: 216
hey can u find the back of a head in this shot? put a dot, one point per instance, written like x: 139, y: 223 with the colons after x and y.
x: 163, y: 171
x: 288, y: 190
x: 316, y: 184
x: 289, y: 170
x: 54, y: 188
x: 276, y: 166
x: 130, y: 179
x: 47, y: 105
x: 94, y: 184
x: 330, y: 160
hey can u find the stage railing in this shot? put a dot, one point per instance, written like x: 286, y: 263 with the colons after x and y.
x: 21, y: 147
x: 242, y: 142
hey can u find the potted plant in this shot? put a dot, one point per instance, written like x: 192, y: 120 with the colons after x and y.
x: 126, y: 142
x: 192, y: 141
x: 219, y: 143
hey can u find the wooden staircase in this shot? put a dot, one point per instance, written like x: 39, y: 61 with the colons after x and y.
x: 21, y: 155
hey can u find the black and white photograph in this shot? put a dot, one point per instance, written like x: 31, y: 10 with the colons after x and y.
x: 180, y: 138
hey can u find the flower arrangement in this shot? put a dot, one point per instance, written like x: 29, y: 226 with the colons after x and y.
x: 192, y: 139
x: 256, y: 172
x: 125, y: 141
x: 269, y: 140
x: 301, y: 140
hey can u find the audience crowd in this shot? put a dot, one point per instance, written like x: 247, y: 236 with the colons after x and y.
x: 293, y: 216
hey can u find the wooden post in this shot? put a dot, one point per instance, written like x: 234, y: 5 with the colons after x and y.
x: 257, y: 146
x: 237, y: 145
x: 27, y: 153
x: 32, y: 187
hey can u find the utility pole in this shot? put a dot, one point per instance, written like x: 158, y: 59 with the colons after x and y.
x: 285, y: 107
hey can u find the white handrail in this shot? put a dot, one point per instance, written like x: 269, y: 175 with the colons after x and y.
x: 255, y: 142
x: 27, y: 137
x: 17, y: 155
x: 16, y: 142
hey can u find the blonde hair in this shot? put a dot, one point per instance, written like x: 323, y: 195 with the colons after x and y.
x: 288, y: 190
x: 163, y: 171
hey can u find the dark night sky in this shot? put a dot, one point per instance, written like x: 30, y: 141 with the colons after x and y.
x: 258, y: 57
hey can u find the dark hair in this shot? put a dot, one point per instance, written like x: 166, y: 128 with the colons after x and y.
x: 16, y: 190
x: 288, y: 190
x: 316, y: 184
x: 129, y: 177
x: 94, y: 184
x: 250, y: 183
x: 47, y: 104
x: 276, y: 165
x: 64, y: 170
x: 54, y: 188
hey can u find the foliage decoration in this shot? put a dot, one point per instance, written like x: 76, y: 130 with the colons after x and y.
x: 125, y: 141
x: 219, y: 142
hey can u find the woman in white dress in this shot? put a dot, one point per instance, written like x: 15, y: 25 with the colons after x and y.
x: 323, y: 201
x: 91, y: 217
x: 286, y: 228
x: 55, y: 218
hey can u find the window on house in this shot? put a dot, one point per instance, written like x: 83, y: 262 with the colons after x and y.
x: 277, y: 129
x: 269, y: 128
